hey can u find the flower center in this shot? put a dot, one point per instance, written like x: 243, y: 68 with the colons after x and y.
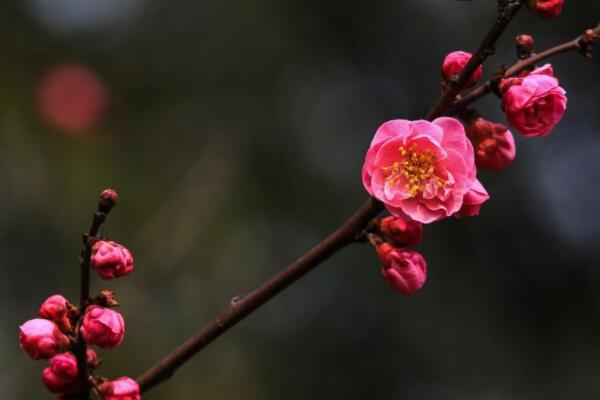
x: 415, y: 169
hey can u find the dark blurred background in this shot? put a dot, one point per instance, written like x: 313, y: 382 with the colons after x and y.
x: 235, y: 132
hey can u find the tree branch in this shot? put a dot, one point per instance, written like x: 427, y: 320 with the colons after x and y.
x: 339, y: 239
x: 507, y: 10
x: 581, y: 44
x: 240, y: 308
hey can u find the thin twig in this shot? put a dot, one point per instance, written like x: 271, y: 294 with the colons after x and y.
x: 84, y: 297
x: 243, y: 306
x: 507, y: 10
x: 581, y: 44
x: 339, y: 239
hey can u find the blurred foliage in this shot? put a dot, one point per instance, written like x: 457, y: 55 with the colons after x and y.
x: 235, y: 132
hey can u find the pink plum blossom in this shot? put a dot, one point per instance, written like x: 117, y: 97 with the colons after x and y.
x: 534, y: 103
x: 420, y: 170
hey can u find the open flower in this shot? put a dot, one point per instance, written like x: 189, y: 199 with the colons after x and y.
x: 420, y: 170
x: 534, y: 103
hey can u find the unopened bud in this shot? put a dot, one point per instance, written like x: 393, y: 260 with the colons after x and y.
x: 61, y: 375
x: 405, y: 271
x: 103, y: 327
x: 546, y: 9
x: 524, y: 44
x: 108, y: 199
x: 56, y: 309
x: 41, y: 338
x: 493, y: 144
x: 123, y: 388
x: 403, y: 233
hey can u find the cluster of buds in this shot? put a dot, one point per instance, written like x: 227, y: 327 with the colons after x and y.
x: 64, y: 330
x: 404, y: 270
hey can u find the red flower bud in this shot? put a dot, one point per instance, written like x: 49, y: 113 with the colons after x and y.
x: 524, y: 45
x: 455, y: 62
x: 546, y: 9
x: 525, y: 42
x: 41, y: 338
x: 493, y: 144
x: 61, y: 375
x: 108, y: 199
x: 111, y: 260
x: 534, y: 103
x: 405, y: 271
x: 103, y: 327
x: 56, y: 309
x: 403, y: 233
x: 92, y: 359
x: 120, y: 389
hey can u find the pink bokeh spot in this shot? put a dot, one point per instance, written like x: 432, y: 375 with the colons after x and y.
x: 72, y: 98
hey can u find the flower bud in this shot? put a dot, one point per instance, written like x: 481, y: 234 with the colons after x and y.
x: 103, y: 327
x: 455, y: 62
x: 61, y: 375
x: 92, y: 359
x: 120, y: 389
x: 493, y: 144
x: 534, y: 103
x: 108, y: 199
x: 524, y: 44
x: 56, y: 309
x: 546, y: 9
x: 111, y: 260
x: 405, y: 271
x: 473, y: 200
x: 403, y: 233
x: 41, y: 338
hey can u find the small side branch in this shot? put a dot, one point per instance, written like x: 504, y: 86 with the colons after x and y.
x: 581, y: 44
x: 507, y: 10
